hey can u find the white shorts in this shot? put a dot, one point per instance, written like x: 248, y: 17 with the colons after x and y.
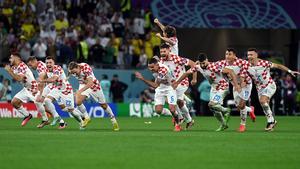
x: 180, y: 90
x: 244, y: 94
x: 161, y: 96
x: 25, y: 96
x: 98, y: 95
x: 62, y: 99
x: 217, y: 96
x: 267, y: 91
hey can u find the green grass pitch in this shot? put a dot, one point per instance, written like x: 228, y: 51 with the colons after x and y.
x: 141, y: 146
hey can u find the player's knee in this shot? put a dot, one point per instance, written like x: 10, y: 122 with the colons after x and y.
x: 180, y: 103
x: 16, y: 103
x: 104, y: 106
x: 211, y: 104
x: 263, y: 102
x: 158, y: 110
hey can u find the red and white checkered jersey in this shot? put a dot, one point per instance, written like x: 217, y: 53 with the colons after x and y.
x: 213, y: 73
x: 176, y: 64
x: 61, y: 83
x: 41, y: 67
x: 174, y: 48
x: 87, y: 72
x: 239, y: 67
x: 260, y: 73
x: 29, y: 81
x: 163, y: 77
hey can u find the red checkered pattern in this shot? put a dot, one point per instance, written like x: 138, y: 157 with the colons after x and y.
x: 265, y: 77
x: 41, y: 67
x: 215, y: 75
x: 29, y: 82
x: 85, y: 72
x: 177, y: 66
x: 68, y: 89
x: 162, y: 71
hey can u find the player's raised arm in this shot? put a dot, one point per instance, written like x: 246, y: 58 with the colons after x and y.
x: 233, y: 76
x: 159, y: 24
x: 166, y: 39
x: 17, y: 77
x: 284, y: 68
x: 138, y: 75
x: 186, y: 74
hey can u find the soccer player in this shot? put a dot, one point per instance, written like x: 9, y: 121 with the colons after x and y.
x: 259, y: 70
x: 44, y: 90
x: 169, y: 36
x: 163, y: 89
x: 20, y: 72
x: 219, y: 86
x: 62, y: 93
x: 239, y: 66
x: 89, y: 87
x: 177, y: 64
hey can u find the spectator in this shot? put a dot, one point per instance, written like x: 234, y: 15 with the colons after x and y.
x: 1, y: 87
x: 142, y: 60
x: 39, y: 49
x: 61, y: 23
x: 51, y: 48
x: 96, y: 52
x: 4, y: 44
x: 290, y: 91
x: 24, y: 48
x: 105, y: 85
x: 137, y: 44
x: 6, y: 91
x: 117, y: 89
x: 204, y: 90
x: 28, y: 28
x: 118, y: 24
x: 102, y: 6
x: 82, y: 50
x: 138, y: 26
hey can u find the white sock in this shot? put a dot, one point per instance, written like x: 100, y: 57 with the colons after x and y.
x: 219, y: 117
x: 166, y: 112
x: 248, y: 109
x: 41, y: 109
x: 186, y: 114
x: 179, y: 112
x: 50, y: 106
x: 75, y: 113
x: 268, y: 112
x: 109, y: 112
x: 83, y: 111
x: 23, y: 111
x: 243, y: 114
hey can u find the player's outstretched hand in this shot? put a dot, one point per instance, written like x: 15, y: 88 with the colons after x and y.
x: 7, y: 67
x: 193, y: 82
x: 238, y: 88
x: 158, y: 35
x: 156, y: 20
x: 175, y: 84
x: 138, y: 75
x: 295, y: 73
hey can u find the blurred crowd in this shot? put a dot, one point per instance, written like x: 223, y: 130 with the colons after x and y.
x: 114, y: 33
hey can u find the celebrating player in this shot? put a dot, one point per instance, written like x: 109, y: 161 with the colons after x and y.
x: 163, y: 89
x: 89, y: 87
x: 21, y: 73
x: 259, y: 70
x: 219, y: 86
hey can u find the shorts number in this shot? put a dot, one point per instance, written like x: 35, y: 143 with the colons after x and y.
x: 217, y: 98
x: 59, y: 99
x: 172, y: 98
x: 246, y: 93
x: 68, y: 102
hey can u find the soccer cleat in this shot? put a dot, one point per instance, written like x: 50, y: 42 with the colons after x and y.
x: 242, y: 128
x: 222, y: 128
x: 252, y: 114
x: 62, y: 125
x: 270, y: 126
x: 55, y: 120
x: 26, y: 120
x: 180, y: 121
x: 177, y: 128
x: 86, y: 121
x: 43, y: 124
x: 115, y: 126
x: 189, y: 124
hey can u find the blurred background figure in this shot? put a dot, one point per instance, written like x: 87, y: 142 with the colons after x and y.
x: 290, y: 91
x: 105, y: 85
x: 204, y: 90
x: 117, y: 89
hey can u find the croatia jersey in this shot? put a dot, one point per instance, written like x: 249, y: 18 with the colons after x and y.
x: 87, y: 72
x: 260, y: 74
x: 174, y: 48
x: 239, y: 67
x: 29, y: 81
x: 61, y: 83
x: 163, y: 77
x: 176, y: 65
x: 213, y: 73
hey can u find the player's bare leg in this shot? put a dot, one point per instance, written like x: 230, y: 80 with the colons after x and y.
x: 185, y: 111
x: 17, y: 104
x: 82, y: 109
x: 50, y: 106
x: 108, y: 110
x: 41, y: 109
x: 218, y: 110
x: 172, y: 108
x: 271, y: 122
x: 75, y: 113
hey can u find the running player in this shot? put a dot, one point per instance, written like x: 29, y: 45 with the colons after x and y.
x: 44, y: 90
x: 62, y: 93
x: 89, y: 87
x: 239, y: 66
x: 177, y: 64
x: 259, y: 70
x: 20, y: 72
x: 163, y: 88
x: 219, y: 86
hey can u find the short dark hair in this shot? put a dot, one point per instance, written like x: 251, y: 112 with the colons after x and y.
x: 72, y: 65
x: 153, y: 61
x: 202, y: 57
x: 31, y: 58
x: 164, y: 45
x: 231, y: 50
x: 50, y: 57
x: 170, y: 31
x: 252, y: 49
x: 16, y: 54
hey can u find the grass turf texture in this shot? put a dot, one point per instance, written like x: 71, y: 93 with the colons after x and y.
x: 139, y: 145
